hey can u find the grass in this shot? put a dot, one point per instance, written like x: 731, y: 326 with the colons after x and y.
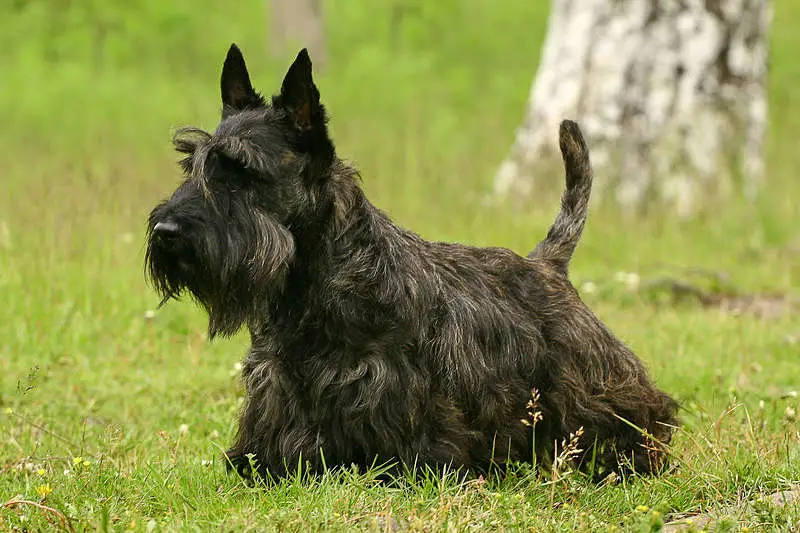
x: 115, y: 416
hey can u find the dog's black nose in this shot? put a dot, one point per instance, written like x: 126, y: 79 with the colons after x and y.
x: 166, y: 229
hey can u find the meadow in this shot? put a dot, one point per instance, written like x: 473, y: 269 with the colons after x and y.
x: 114, y: 414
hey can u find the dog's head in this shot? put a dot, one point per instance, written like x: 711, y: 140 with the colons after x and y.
x: 227, y: 235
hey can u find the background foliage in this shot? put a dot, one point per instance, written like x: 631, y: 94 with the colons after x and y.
x: 117, y: 414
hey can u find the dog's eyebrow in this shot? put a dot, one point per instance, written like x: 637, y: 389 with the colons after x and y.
x: 193, y: 142
x: 187, y: 140
x: 199, y: 144
x: 244, y: 152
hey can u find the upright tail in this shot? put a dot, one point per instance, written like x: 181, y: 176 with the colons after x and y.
x: 563, y: 236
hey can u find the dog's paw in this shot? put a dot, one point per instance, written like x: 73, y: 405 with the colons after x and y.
x: 239, y: 462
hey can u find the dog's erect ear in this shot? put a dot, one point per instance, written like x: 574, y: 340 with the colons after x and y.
x: 237, y: 92
x: 299, y: 95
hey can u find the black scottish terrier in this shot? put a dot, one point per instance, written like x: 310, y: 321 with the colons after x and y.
x: 370, y: 343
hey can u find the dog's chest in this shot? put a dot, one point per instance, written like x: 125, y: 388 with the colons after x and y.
x: 349, y: 386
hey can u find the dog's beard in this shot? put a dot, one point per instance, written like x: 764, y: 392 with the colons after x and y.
x: 171, y: 271
x: 234, y: 283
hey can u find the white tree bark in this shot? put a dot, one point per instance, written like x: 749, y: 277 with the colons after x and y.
x: 669, y: 93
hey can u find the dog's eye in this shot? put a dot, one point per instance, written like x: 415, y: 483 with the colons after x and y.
x: 231, y: 175
x: 237, y: 182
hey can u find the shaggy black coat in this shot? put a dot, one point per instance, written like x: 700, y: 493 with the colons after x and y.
x: 370, y: 343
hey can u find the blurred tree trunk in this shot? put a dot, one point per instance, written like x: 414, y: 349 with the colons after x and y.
x: 670, y: 94
x: 297, y: 24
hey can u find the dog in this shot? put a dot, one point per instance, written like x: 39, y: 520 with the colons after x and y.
x: 369, y: 344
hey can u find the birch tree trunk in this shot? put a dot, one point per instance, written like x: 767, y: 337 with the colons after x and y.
x: 670, y: 95
x: 297, y: 24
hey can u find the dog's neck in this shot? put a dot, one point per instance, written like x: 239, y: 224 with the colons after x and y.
x: 344, y: 221
x: 350, y: 236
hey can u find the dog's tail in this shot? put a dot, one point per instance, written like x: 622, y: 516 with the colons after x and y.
x: 563, y: 236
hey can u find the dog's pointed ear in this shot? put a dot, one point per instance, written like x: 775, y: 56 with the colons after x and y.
x: 300, y: 97
x: 237, y: 92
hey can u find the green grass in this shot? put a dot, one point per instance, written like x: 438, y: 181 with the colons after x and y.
x: 89, y: 94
